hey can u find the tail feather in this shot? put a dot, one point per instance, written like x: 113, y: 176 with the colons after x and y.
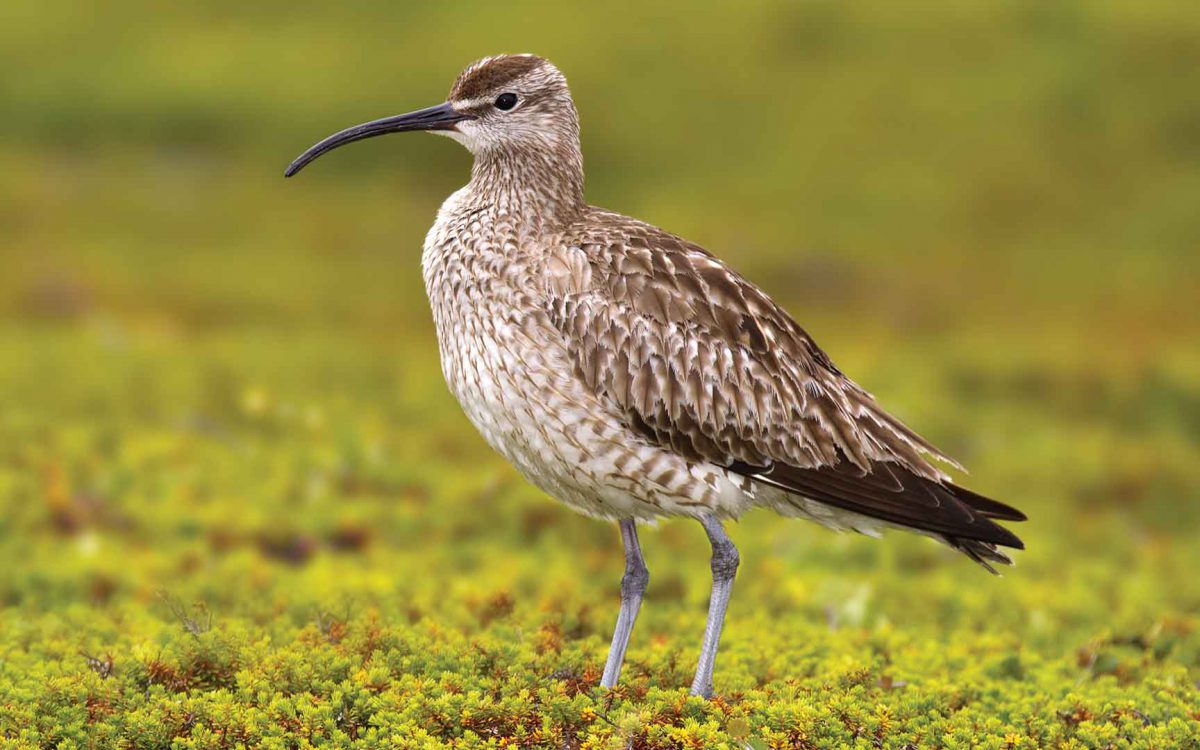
x: 981, y: 552
x: 892, y: 494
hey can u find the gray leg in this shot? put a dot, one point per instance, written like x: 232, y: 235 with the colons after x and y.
x: 633, y: 584
x: 724, y: 568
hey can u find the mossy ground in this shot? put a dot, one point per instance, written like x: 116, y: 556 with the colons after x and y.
x: 260, y: 540
x: 238, y: 507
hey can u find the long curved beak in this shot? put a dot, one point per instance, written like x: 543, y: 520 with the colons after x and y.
x: 441, y: 117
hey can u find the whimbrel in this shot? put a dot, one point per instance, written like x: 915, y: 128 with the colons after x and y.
x: 633, y: 375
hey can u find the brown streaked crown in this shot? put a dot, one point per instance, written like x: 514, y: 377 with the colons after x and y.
x: 485, y: 76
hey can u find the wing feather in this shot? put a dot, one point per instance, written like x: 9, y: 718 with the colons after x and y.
x: 698, y: 359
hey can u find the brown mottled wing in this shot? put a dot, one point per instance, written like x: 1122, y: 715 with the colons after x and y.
x: 700, y: 360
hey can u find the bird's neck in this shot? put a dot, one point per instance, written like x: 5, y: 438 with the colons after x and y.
x: 540, y: 186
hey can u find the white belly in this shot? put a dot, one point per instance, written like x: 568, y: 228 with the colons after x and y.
x: 512, y: 373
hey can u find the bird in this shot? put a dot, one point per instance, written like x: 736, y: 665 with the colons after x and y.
x: 632, y: 374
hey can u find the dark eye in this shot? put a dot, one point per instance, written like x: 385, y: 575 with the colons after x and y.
x: 506, y: 101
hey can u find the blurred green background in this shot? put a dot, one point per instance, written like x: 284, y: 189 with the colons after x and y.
x: 238, y: 505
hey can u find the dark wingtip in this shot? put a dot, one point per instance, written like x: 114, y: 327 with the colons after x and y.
x: 987, y: 506
x: 919, y: 503
x: 987, y: 530
x: 1014, y: 542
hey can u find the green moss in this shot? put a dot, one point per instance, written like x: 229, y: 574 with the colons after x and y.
x: 289, y: 565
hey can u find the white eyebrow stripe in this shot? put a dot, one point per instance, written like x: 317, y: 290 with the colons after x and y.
x: 471, y: 103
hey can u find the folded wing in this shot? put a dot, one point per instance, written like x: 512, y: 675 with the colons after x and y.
x: 700, y: 360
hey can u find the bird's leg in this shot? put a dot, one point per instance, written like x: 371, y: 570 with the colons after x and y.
x: 633, y: 584
x: 724, y: 567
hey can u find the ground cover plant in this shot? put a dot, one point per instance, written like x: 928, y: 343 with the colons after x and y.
x: 238, y: 507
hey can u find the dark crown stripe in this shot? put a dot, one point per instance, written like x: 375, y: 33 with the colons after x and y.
x: 493, y: 74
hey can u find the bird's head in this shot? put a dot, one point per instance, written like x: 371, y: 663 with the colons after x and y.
x: 503, y: 104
